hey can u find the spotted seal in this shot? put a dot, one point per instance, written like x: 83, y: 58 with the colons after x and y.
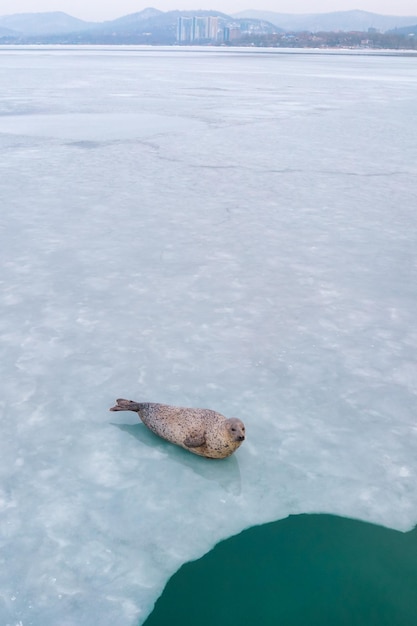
x: 201, y: 431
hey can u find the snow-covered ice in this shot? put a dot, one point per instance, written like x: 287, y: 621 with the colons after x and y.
x: 213, y: 228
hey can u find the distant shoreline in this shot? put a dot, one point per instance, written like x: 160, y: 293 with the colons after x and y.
x: 216, y: 49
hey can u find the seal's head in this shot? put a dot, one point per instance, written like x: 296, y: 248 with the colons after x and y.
x: 236, y: 429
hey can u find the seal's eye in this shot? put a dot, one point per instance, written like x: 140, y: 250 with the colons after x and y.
x: 233, y: 429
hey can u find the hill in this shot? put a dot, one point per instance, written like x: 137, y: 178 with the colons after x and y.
x: 149, y: 26
x: 338, y: 20
x: 152, y: 26
x: 42, y: 23
x: 405, y: 31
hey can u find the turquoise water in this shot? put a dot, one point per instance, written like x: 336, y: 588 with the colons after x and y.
x: 304, y: 570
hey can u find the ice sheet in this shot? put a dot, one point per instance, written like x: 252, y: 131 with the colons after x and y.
x: 214, y: 229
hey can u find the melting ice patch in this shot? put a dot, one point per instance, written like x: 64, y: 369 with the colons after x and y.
x: 257, y: 259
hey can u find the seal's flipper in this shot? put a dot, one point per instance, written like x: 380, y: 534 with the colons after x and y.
x: 194, y: 440
x: 126, y: 405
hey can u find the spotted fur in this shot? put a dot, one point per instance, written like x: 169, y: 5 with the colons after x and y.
x: 201, y: 431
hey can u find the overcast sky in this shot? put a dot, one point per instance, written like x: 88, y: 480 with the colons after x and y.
x: 98, y: 10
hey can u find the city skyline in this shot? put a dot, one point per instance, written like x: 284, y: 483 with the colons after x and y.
x: 197, y: 28
x: 99, y: 10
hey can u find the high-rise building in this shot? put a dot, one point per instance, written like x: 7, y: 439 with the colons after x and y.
x: 200, y: 28
x: 197, y: 28
x: 185, y: 29
x: 213, y: 27
x: 231, y: 34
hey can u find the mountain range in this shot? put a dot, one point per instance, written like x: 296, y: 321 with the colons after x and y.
x: 157, y: 27
x: 327, y: 22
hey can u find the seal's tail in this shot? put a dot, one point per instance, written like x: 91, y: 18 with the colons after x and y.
x: 126, y: 405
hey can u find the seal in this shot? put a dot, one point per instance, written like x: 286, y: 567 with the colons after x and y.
x: 201, y: 431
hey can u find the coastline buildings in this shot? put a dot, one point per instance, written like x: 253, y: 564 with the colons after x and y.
x: 231, y: 34
x: 195, y: 28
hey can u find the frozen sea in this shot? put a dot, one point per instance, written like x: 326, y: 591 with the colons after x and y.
x: 231, y: 229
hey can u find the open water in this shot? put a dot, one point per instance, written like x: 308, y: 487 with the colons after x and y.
x: 224, y: 228
x: 314, y: 570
